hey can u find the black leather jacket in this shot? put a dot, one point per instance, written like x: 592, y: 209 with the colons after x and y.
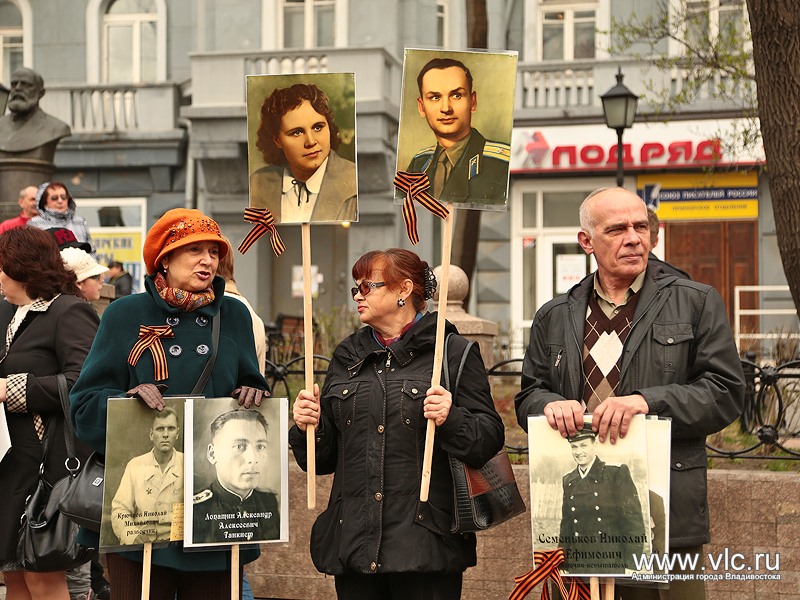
x: 372, y: 437
x: 680, y: 355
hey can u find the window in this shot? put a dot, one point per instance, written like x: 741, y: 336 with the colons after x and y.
x: 442, y: 10
x: 309, y: 23
x: 706, y: 20
x: 568, y: 33
x: 11, y: 40
x: 11, y: 36
x: 546, y: 259
x: 130, y: 41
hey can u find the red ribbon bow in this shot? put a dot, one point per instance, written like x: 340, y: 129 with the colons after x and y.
x: 415, y: 187
x: 263, y: 222
x: 546, y: 566
x: 150, y: 337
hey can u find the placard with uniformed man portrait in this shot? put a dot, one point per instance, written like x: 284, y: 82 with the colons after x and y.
x: 590, y: 498
x: 456, y: 119
x: 237, y: 486
x: 144, y: 486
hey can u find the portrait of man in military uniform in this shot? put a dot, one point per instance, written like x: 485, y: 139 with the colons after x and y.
x: 464, y: 165
x: 141, y: 504
x: 600, y: 511
x: 590, y: 499
x: 238, y: 504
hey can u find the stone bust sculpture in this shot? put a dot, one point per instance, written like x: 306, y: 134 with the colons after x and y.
x: 27, y: 131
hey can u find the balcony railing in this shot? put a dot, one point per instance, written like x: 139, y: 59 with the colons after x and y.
x: 218, y: 87
x: 218, y: 78
x: 115, y: 109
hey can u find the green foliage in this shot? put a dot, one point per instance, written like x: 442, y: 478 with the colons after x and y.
x: 712, y: 61
x: 702, y: 55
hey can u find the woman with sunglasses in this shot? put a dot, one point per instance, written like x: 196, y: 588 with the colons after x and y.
x: 376, y: 537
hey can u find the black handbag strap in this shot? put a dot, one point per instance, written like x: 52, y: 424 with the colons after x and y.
x: 201, y: 382
x: 69, y: 433
x: 448, y: 384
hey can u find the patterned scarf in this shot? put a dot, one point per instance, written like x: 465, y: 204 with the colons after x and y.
x: 186, y: 301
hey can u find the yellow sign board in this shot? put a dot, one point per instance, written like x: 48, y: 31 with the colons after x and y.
x: 701, y: 196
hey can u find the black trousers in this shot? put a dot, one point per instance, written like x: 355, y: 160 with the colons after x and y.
x: 165, y: 583
x: 399, y: 586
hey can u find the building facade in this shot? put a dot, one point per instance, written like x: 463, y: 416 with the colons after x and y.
x: 155, y: 94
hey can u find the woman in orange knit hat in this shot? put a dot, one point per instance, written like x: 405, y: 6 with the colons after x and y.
x: 183, y: 292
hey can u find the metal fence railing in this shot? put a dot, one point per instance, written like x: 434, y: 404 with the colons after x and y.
x: 771, y: 410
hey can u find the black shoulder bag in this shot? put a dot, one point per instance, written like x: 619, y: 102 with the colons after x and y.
x: 483, y: 497
x: 47, y: 538
x: 83, y: 500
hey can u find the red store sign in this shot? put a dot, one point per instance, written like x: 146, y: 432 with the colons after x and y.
x: 645, y: 146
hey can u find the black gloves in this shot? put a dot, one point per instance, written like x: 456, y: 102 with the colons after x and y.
x: 248, y: 395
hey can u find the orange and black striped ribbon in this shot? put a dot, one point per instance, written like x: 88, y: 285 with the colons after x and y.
x: 546, y: 565
x: 415, y: 187
x: 150, y: 337
x: 263, y: 222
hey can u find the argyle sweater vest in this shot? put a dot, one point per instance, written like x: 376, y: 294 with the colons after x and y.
x: 603, y: 342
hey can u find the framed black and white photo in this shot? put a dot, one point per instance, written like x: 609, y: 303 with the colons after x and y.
x: 237, y: 474
x: 144, y: 486
x: 590, y: 498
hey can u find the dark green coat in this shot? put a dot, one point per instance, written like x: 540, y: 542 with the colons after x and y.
x: 107, y: 374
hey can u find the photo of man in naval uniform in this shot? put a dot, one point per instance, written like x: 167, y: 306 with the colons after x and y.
x: 462, y: 166
x: 602, y: 523
x: 232, y: 509
x: 151, y: 486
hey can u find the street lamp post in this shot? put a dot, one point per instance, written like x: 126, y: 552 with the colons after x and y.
x: 619, y: 111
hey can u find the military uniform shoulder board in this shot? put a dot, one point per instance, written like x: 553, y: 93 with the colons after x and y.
x: 497, y: 150
x: 202, y: 496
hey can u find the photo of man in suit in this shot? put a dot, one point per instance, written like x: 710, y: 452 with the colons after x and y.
x: 462, y: 166
x: 601, y: 512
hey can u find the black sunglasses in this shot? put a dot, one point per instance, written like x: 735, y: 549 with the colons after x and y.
x: 365, y: 287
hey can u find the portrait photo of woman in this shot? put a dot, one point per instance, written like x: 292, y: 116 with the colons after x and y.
x: 296, y: 171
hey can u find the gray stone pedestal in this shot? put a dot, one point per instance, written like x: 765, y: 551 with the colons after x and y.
x: 473, y: 328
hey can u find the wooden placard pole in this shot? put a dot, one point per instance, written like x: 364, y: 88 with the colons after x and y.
x: 147, y: 563
x: 608, y: 589
x: 236, y: 593
x: 308, y: 335
x: 438, y: 354
x: 594, y: 588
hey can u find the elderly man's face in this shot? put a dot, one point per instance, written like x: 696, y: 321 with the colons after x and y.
x: 27, y: 202
x: 620, y: 240
x: 239, y: 452
x: 25, y: 92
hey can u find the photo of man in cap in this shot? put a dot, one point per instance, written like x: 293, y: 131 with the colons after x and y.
x: 600, y: 513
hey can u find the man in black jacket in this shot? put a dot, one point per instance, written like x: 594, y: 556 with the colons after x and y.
x: 630, y: 339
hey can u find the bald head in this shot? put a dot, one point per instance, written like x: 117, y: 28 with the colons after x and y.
x: 603, y: 196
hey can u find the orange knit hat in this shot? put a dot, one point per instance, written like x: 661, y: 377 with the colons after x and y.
x: 179, y: 227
